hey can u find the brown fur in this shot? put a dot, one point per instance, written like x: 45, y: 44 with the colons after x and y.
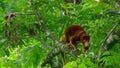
x: 75, y: 34
x: 72, y: 36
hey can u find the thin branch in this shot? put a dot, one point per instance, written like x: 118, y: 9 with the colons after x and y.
x: 114, y: 12
x: 103, y: 44
x: 24, y: 13
x: 17, y: 13
x: 42, y: 23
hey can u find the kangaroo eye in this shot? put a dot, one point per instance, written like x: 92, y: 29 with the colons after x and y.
x: 86, y: 37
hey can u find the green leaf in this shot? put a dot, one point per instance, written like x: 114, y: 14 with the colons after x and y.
x: 72, y: 64
x: 82, y: 65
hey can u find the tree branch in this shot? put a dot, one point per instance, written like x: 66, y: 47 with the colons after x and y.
x: 59, y: 46
x: 17, y: 13
x: 42, y: 23
x: 103, y: 44
x: 114, y: 12
x: 57, y: 50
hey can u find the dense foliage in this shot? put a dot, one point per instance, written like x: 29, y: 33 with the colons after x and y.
x: 24, y: 44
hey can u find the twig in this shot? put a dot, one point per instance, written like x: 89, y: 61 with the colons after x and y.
x: 103, y: 44
x: 17, y: 13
